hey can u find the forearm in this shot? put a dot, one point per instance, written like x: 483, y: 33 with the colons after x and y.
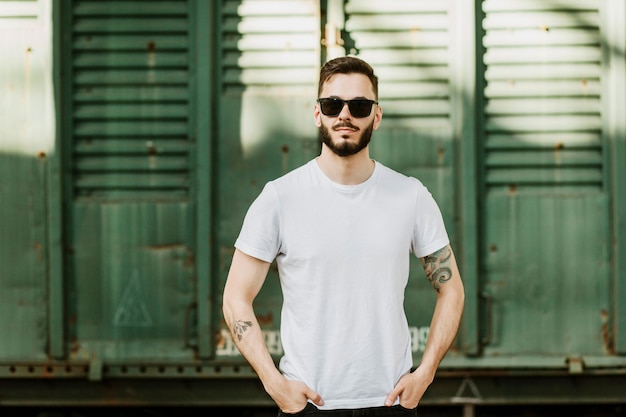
x: 443, y: 273
x: 443, y: 327
x: 248, y: 337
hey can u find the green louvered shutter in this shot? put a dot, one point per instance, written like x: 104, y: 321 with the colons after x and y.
x: 128, y: 118
x: 545, y: 206
x: 270, y: 57
x: 543, y: 121
x: 131, y: 98
x: 410, y: 46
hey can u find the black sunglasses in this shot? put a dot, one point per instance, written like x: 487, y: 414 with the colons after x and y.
x: 359, y: 107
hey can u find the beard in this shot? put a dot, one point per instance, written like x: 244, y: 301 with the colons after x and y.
x: 345, y: 148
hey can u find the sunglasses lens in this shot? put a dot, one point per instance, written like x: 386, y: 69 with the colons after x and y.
x: 360, y: 108
x: 331, y: 106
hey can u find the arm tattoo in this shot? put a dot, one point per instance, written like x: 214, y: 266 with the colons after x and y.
x: 240, y: 327
x: 437, y: 267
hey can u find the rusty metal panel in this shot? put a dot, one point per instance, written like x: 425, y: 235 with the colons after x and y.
x: 546, y: 247
x: 547, y: 269
x: 26, y: 140
x: 134, y: 293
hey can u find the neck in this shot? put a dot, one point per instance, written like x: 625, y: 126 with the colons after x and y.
x: 346, y: 170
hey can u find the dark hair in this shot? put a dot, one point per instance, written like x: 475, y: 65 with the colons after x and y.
x: 347, y: 65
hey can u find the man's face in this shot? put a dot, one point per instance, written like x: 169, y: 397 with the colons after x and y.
x: 344, y: 134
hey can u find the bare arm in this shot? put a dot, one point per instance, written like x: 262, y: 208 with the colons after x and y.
x: 245, y: 279
x: 443, y: 273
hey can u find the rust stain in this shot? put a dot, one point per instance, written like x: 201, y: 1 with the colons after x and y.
x: 41, y: 155
x: 38, y: 251
x: 607, y: 336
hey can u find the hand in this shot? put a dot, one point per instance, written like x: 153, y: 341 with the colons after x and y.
x: 292, y: 396
x: 410, y: 388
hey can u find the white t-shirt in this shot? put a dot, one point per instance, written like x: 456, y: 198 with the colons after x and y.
x: 343, y: 259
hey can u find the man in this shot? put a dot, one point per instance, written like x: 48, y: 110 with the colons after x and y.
x: 341, y: 229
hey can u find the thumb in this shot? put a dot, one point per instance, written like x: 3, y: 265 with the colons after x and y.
x: 315, y: 397
x: 392, y: 397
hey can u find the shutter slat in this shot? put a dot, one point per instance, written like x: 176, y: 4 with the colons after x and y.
x: 136, y: 128
x: 545, y: 176
x: 136, y: 182
x: 130, y: 25
x: 130, y: 59
x: 540, y: 88
x: 401, y: 22
x: 133, y: 77
x: 131, y: 94
x: 521, y: 141
x: 544, y: 123
x: 149, y: 146
x: 130, y: 8
x: 143, y: 42
x: 545, y: 158
x: 157, y: 111
x: 525, y: 106
x: 133, y: 164
x: 544, y: 20
x: 554, y: 71
x: 396, y: 6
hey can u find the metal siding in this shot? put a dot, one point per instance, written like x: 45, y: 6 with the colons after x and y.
x: 269, y: 63
x: 131, y: 270
x: 26, y: 142
x: 546, y: 241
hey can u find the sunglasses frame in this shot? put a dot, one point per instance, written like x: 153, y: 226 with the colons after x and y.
x: 355, y: 102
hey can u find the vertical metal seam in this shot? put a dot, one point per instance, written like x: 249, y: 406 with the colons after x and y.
x: 54, y: 196
x: 201, y: 116
x: 464, y: 91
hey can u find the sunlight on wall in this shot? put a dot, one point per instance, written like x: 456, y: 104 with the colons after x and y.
x: 27, y: 123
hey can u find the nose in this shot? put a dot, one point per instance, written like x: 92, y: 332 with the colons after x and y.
x: 345, y: 112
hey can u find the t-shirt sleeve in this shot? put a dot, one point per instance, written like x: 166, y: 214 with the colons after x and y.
x: 429, y: 230
x: 260, y: 234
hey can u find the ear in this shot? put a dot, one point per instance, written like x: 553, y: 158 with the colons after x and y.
x: 317, y: 115
x: 378, y: 116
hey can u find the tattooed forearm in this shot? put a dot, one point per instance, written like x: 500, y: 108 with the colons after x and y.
x: 240, y: 327
x: 437, y: 267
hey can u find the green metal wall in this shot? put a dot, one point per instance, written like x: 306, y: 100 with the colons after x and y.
x: 117, y: 225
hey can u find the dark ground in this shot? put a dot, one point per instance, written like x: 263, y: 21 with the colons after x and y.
x: 443, y: 411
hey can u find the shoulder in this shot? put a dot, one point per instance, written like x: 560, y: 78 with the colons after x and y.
x: 391, y: 177
x: 294, y: 178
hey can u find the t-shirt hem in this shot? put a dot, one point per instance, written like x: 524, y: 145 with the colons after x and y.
x: 250, y: 251
x: 430, y: 249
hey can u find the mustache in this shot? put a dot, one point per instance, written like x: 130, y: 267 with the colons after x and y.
x: 345, y: 124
